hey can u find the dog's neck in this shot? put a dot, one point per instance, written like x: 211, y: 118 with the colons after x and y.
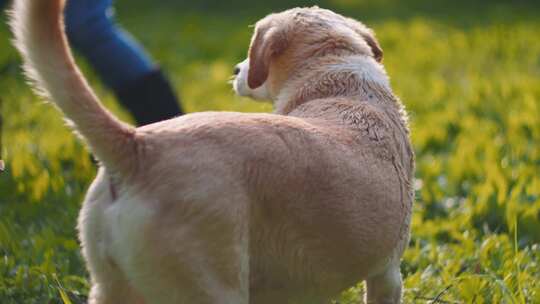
x: 358, y: 76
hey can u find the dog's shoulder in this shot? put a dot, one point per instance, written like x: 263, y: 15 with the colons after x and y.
x: 368, y: 125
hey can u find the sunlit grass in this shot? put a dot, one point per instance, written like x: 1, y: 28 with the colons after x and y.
x: 473, y: 93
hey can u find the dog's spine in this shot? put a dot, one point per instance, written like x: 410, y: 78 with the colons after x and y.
x: 38, y: 28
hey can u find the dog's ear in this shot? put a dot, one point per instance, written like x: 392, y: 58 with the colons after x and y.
x: 372, y: 42
x: 369, y: 37
x: 267, y: 43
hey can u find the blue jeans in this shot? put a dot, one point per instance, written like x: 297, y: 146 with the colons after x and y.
x: 91, y: 29
x: 115, y: 55
x: 120, y: 62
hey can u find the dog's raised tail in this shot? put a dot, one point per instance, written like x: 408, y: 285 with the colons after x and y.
x: 38, y: 27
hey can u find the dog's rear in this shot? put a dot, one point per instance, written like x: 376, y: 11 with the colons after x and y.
x: 39, y: 35
x: 129, y: 251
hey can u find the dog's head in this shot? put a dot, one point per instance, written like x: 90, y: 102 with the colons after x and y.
x: 282, y: 43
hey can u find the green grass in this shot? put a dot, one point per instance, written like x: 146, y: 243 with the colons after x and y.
x: 468, y: 72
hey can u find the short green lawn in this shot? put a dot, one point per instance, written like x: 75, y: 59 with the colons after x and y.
x: 468, y: 72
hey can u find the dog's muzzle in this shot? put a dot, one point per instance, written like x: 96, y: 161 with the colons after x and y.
x: 240, y: 84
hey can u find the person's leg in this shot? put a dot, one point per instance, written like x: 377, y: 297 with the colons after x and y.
x: 120, y: 61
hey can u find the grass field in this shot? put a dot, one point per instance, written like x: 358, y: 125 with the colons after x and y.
x: 468, y: 72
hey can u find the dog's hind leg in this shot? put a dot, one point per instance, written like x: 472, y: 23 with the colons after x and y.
x: 205, y: 273
x: 201, y: 279
x: 197, y: 255
x: 109, y: 284
x: 385, y: 288
x: 112, y: 288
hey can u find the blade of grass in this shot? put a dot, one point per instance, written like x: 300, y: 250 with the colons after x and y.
x: 516, y: 260
x: 63, y: 294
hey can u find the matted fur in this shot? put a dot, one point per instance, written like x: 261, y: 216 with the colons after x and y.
x: 291, y: 207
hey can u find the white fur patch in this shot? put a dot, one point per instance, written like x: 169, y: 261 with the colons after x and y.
x: 366, y: 68
x: 125, y: 220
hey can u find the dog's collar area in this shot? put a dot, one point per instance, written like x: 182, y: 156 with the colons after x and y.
x: 370, y: 83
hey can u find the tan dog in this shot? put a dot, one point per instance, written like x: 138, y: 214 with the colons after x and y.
x: 291, y: 207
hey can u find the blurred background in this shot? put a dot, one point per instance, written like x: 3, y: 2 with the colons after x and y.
x: 467, y: 71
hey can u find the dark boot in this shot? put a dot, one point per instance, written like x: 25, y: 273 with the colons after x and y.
x: 150, y: 98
